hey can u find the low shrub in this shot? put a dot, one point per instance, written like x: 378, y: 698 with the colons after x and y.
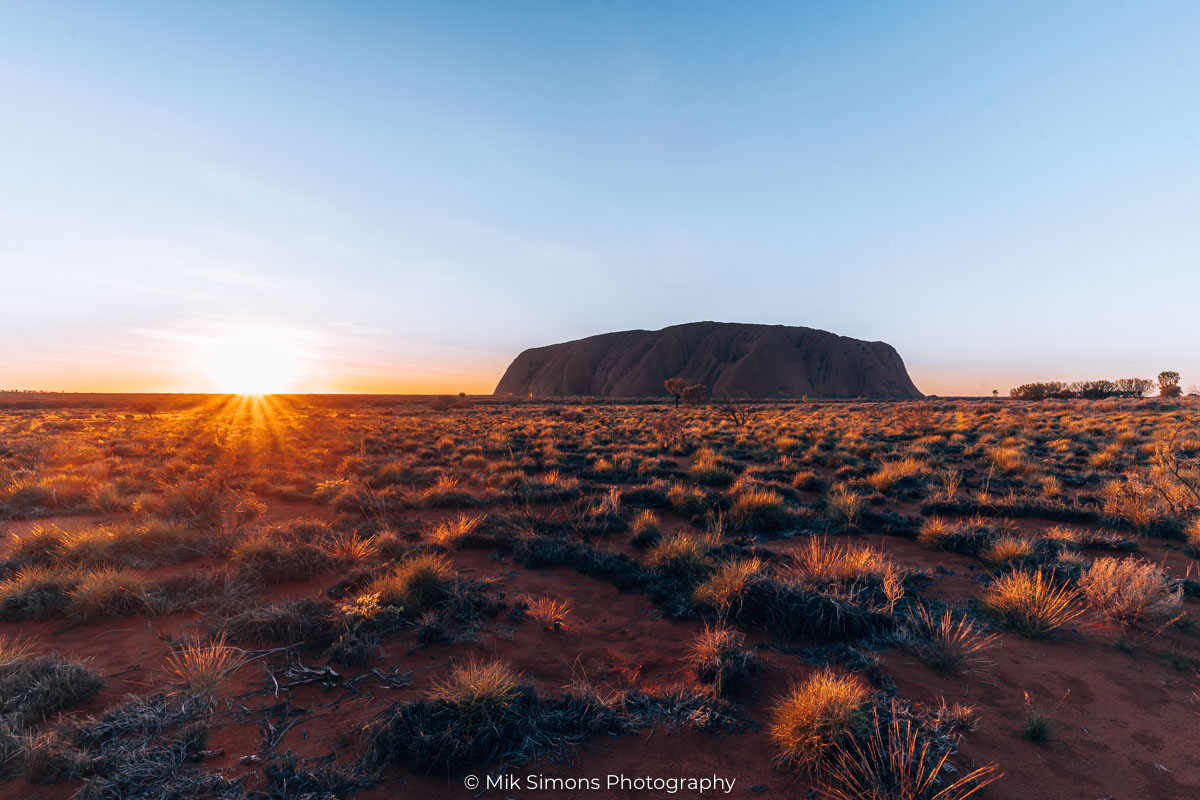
x: 1131, y: 592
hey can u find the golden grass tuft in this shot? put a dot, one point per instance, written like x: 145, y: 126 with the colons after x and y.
x: 822, y: 562
x: 758, y: 509
x: 351, y: 548
x: 204, y: 667
x: 947, y: 642
x: 449, y: 533
x: 933, y: 531
x: 1030, y: 603
x: 13, y: 652
x: 890, y: 474
x: 819, y: 714
x: 728, y: 583
x: 1006, y: 549
x: 844, y: 505
x: 421, y: 580
x: 478, y: 690
x: 551, y: 614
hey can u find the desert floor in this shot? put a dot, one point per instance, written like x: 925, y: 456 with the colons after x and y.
x: 270, y: 597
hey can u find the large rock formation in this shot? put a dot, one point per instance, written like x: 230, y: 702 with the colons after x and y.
x: 731, y: 359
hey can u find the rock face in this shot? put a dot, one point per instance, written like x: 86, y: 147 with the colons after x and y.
x: 731, y: 359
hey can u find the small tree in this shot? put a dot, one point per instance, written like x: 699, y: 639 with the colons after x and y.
x: 737, y: 410
x: 676, y: 388
x: 1168, y: 384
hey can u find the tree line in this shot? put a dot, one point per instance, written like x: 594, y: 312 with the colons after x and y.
x: 1168, y: 386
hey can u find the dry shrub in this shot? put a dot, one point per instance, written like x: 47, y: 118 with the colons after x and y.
x: 844, y: 506
x: 1131, y: 591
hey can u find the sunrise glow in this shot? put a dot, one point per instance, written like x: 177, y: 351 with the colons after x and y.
x: 251, y: 362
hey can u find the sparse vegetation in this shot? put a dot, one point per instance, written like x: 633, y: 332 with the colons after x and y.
x: 356, y: 546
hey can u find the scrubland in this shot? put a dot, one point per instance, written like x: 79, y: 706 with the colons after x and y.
x: 363, y: 596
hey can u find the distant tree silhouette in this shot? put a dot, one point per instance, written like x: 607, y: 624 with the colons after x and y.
x: 1168, y: 384
x: 1134, y: 387
x: 676, y: 387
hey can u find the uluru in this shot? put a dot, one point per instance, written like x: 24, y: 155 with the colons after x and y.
x: 730, y: 359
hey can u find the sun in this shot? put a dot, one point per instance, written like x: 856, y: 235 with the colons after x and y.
x: 251, y: 362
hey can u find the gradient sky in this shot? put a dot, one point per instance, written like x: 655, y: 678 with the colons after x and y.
x: 411, y: 193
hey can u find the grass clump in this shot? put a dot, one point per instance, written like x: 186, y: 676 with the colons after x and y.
x: 707, y: 470
x: 108, y: 592
x: 822, y: 563
x: 646, y: 530
x: 946, y: 642
x: 281, y: 556
x: 551, y: 614
x: 1131, y: 592
x: 686, y: 501
x: 758, y: 510
x: 727, y: 585
x: 457, y: 532
x: 720, y: 659
x: 420, y: 581
x: 482, y: 713
x: 32, y: 687
x: 204, y: 667
x: 1030, y: 603
x: 683, y: 556
x: 897, y: 759
x: 818, y: 715
x: 1035, y: 725
x: 893, y: 473
x: 1005, y: 549
x: 36, y: 593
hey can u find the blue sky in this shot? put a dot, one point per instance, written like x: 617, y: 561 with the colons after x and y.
x: 411, y: 193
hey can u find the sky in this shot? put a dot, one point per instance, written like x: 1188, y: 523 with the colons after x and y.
x: 401, y: 197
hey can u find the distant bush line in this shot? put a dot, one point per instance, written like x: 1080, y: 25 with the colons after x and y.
x: 1084, y: 390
